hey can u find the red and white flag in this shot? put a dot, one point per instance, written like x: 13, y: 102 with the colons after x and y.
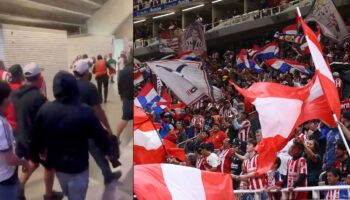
x: 324, y: 84
x: 175, y: 182
x: 148, y: 147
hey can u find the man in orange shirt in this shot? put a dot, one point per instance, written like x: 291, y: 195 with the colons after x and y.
x: 217, y: 136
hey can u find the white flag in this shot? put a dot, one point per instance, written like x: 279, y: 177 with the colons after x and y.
x: 185, y: 78
x: 331, y: 23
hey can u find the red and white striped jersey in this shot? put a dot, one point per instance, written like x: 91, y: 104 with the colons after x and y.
x: 332, y: 195
x: 200, y: 162
x: 226, y: 113
x: 295, y: 168
x: 249, y: 166
x: 345, y: 104
x: 225, y: 157
x: 244, y: 131
x: 198, y: 120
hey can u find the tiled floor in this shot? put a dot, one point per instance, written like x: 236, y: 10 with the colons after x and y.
x: 121, y: 190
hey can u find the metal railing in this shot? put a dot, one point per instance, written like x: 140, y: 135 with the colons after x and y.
x: 257, y: 14
x: 315, y: 191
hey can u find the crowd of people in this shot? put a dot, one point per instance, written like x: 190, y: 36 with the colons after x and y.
x: 58, y: 134
x: 222, y: 136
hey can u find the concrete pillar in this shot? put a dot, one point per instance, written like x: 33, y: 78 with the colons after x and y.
x: 245, y: 4
x: 154, y: 29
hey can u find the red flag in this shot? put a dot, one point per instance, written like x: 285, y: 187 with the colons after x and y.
x: 167, y: 182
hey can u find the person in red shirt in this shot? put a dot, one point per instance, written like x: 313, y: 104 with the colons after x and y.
x: 345, y: 104
x: 225, y: 157
x: 217, y: 136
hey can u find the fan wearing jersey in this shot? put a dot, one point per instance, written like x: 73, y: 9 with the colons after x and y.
x: 296, y: 172
x: 217, y: 136
x: 274, y: 180
x: 211, y: 162
x: 225, y: 157
x: 243, y: 126
x: 250, y: 165
x: 333, y: 178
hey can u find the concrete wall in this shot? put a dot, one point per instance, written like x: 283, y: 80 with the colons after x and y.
x: 47, y: 47
x: 113, y: 18
x: 90, y: 45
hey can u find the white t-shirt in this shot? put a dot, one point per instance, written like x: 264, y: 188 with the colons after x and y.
x: 213, y: 160
x: 6, y: 143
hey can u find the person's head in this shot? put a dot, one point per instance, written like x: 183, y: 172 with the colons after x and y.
x: 227, y: 104
x: 32, y: 72
x: 258, y: 135
x: 81, y: 69
x: 195, y: 34
x: 251, y: 144
x: 4, y: 94
x: 16, y: 73
x: 226, y: 143
x: 313, y: 145
x: 335, y: 74
x: 243, y: 116
x: 333, y: 176
x: 207, y: 149
x: 65, y: 88
x: 236, y: 144
x: 340, y: 150
x: 216, y: 127
x: 179, y: 125
x: 191, y: 160
x: 99, y: 57
x: 277, y: 164
x: 2, y: 65
x: 296, y: 149
x: 187, y: 110
x: 85, y: 56
x: 345, y: 119
x: 197, y: 111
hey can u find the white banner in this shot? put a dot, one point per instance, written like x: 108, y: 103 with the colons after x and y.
x: 330, y: 21
x: 185, y: 78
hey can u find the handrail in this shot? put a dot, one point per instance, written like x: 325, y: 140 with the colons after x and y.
x: 315, y: 191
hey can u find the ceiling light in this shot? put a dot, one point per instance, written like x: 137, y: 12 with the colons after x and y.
x: 216, y: 1
x: 164, y: 15
x: 139, y: 21
x: 191, y: 8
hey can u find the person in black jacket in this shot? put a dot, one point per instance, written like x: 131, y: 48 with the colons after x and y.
x: 27, y: 101
x: 126, y: 92
x: 62, y: 129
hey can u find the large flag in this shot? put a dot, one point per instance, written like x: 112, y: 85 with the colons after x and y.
x: 284, y: 65
x: 324, y: 84
x: 193, y: 39
x: 255, y: 67
x: 175, y: 182
x: 242, y: 59
x: 185, y: 78
x: 253, y: 50
x: 327, y: 16
x: 267, y: 52
x: 148, y: 147
x: 169, y: 42
x: 148, y: 97
x: 290, y: 29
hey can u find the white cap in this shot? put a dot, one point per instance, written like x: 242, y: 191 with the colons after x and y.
x: 81, y: 66
x: 31, y: 69
x: 335, y: 74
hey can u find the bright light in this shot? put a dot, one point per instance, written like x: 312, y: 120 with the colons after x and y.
x: 216, y: 1
x: 164, y: 15
x: 194, y: 7
x: 142, y: 20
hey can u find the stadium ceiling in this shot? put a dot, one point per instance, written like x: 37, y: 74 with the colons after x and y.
x: 68, y: 15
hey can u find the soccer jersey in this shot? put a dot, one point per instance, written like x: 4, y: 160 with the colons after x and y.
x: 295, y: 168
x: 225, y: 157
x: 249, y: 166
x: 337, y: 194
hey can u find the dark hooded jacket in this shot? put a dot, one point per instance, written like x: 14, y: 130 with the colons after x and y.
x: 64, y: 126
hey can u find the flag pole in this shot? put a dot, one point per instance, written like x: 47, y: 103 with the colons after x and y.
x: 341, y: 133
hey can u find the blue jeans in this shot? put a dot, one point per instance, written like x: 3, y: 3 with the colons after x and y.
x: 100, y: 160
x: 10, y: 191
x: 74, y: 186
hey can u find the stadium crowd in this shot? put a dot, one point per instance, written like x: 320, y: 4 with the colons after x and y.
x: 221, y: 136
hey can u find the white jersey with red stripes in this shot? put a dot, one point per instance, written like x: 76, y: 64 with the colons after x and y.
x: 249, y: 166
x: 243, y: 133
x: 345, y: 104
x: 225, y: 157
x: 295, y: 168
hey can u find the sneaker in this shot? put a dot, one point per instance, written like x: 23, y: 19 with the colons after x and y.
x: 55, y: 196
x: 115, y: 177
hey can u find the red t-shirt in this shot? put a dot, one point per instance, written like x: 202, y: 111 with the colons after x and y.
x: 217, y: 138
x: 225, y: 157
x: 9, y: 111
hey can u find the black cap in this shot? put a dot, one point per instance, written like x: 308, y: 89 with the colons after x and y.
x: 236, y: 142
